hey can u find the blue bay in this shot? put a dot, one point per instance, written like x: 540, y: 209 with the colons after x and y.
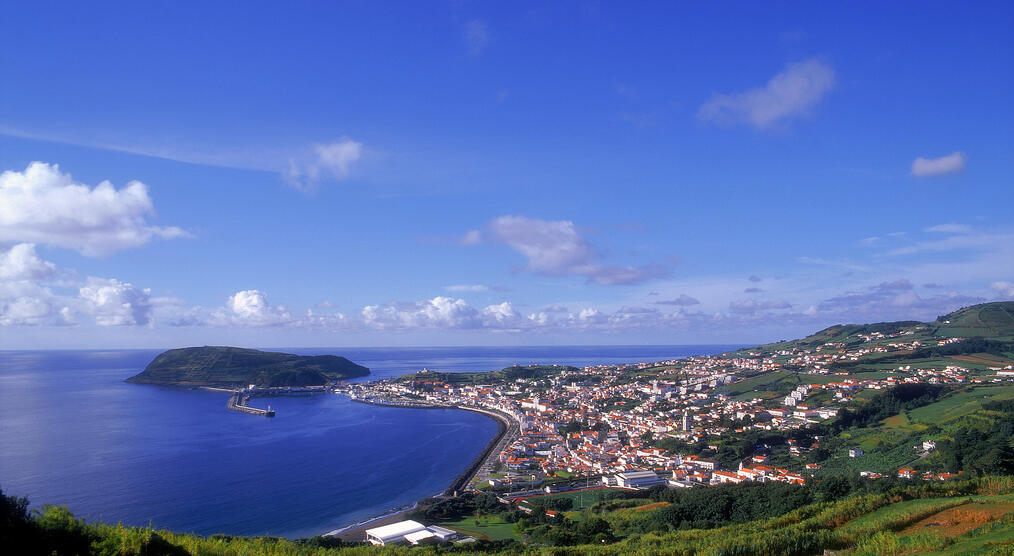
x: 74, y: 433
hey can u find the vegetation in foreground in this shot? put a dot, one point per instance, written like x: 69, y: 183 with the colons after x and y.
x: 969, y: 516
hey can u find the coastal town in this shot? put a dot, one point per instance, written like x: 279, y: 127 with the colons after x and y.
x: 623, y: 425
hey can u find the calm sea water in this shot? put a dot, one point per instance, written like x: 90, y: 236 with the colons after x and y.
x: 72, y: 432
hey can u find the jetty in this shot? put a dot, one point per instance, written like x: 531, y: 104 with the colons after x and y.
x: 238, y: 402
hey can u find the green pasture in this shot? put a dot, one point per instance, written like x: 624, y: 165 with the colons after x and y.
x: 490, y: 527
x: 961, y: 403
x: 581, y: 498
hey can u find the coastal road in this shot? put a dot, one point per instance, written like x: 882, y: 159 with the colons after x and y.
x: 489, y: 461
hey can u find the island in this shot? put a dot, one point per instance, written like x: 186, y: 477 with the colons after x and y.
x: 883, y: 438
x: 233, y: 367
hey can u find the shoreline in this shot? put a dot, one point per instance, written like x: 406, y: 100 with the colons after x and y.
x: 505, y: 425
x: 358, y: 529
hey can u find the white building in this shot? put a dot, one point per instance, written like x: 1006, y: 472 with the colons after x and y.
x: 638, y: 479
x: 411, y: 532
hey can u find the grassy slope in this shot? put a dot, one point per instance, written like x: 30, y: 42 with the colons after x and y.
x: 889, y: 523
x: 888, y: 444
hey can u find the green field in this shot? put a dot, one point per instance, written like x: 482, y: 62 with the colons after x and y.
x: 490, y: 527
x: 961, y: 403
x: 581, y: 498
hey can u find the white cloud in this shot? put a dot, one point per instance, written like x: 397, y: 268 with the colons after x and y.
x: 252, y: 307
x: 115, y: 303
x: 476, y: 37
x: 43, y: 205
x: 439, y: 312
x: 35, y: 292
x: 949, y: 164
x: 25, y: 303
x: 21, y: 263
x: 793, y: 92
x: 554, y: 247
x: 329, y: 161
x: 502, y: 313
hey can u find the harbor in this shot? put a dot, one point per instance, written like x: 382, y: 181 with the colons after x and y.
x: 239, y: 400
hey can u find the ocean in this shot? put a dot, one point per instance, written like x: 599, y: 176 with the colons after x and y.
x: 73, y: 433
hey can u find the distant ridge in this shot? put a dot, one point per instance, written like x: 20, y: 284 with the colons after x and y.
x: 986, y: 321
x: 236, y: 367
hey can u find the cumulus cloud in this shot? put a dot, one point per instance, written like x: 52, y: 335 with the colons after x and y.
x: 115, y: 303
x: 555, y: 248
x: 476, y: 37
x: 35, y: 292
x: 552, y: 247
x: 753, y: 290
x: 252, y: 307
x: 754, y: 278
x: 683, y: 300
x: 448, y: 313
x: 501, y: 313
x: 43, y: 205
x: 949, y: 164
x: 791, y: 93
x: 331, y: 161
x: 25, y: 303
x: 439, y: 312
x: 21, y: 263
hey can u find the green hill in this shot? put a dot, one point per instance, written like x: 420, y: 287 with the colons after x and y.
x: 232, y: 367
x: 989, y: 320
x: 988, y: 329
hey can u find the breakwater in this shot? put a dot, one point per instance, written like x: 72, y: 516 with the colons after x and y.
x: 238, y: 402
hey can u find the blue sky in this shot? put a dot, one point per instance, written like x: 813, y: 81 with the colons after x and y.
x: 459, y: 173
